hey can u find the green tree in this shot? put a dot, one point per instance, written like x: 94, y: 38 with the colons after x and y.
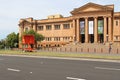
x: 12, y: 40
x: 2, y: 44
x: 38, y: 37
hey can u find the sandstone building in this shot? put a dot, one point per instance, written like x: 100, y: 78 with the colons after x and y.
x: 90, y: 23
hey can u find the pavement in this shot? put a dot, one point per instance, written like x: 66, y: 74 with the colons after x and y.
x: 44, y: 68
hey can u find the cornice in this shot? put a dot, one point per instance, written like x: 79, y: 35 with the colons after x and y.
x: 80, y: 9
x: 54, y: 20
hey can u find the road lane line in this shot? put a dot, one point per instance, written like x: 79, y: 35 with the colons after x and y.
x: 74, y: 78
x: 115, y: 69
x: 15, y: 70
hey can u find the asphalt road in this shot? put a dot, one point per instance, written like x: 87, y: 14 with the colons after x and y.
x: 26, y: 68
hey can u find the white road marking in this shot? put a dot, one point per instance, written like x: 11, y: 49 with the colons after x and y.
x: 107, y: 68
x: 15, y: 70
x: 74, y: 78
x: 30, y: 72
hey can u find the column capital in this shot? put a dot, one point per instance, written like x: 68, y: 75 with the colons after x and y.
x: 86, y: 17
x: 109, y: 16
x: 105, y: 16
x: 95, y: 17
x: 73, y: 19
x: 77, y: 18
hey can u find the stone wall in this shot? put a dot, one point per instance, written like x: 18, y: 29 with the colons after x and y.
x: 84, y: 50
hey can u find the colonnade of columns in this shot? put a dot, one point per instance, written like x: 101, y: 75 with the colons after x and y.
x: 107, y: 30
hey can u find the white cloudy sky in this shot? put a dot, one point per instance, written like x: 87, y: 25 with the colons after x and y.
x: 11, y: 11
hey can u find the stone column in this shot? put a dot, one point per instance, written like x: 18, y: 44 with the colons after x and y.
x: 95, y: 30
x: 34, y: 25
x: 78, y: 30
x: 74, y: 34
x: 109, y: 29
x: 61, y: 28
x: 86, y: 30
x: 105, y: 29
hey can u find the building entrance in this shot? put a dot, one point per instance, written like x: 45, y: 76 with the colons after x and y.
x: 100, y: 30
x: 82, y: 38
x: 91, y: 38
x: 100, y: 38
x: 91, y: 31
x: 82, y: 31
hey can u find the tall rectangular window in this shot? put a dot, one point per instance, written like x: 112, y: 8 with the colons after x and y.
x: 116, y: 37
x: 48, y: 39
x: 40, y: 28
x: 26, y: 29
x: 66, y: 26
x: 100, y: 26
x: 57, y: 39
x: 116, y: 23
x: 66, y: 38
x: 56, y: 27
x: 91, y: 27
x: 48, y: 27
x: 82, y: 27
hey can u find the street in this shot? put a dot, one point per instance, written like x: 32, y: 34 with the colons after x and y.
x: 30, y: 68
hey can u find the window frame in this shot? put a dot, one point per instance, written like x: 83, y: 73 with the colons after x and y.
x: 57, y: 27
x: 40, y: 29
x: 48, y: 27
x: 66, y: 26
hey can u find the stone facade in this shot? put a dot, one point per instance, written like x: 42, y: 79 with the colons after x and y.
x: 91, y: 23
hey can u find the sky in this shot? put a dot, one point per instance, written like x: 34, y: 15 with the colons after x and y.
x: 11, y: 11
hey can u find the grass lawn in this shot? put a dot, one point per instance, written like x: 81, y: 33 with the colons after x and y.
x: 63, y: 54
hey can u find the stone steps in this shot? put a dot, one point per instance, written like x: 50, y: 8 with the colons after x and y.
x: 88, y: 45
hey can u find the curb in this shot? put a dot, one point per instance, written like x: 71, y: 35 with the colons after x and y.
x: 47, y: 57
